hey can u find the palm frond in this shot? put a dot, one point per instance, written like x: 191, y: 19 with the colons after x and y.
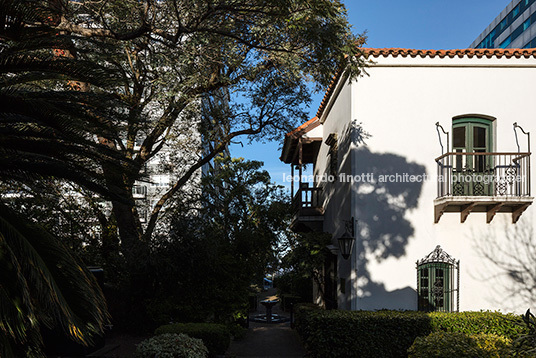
x: 44, y: 284
x: 48, y: 129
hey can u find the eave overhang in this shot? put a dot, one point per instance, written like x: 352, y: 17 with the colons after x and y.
x: 289, y: 153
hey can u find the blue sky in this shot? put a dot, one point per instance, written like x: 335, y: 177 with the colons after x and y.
x: 419, y: 24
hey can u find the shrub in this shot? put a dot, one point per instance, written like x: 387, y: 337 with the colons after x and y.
x: 455, y: 344
x: 359, y: 333
x: 237, y: 331
x: 445, y: 345
x: 390, y: 333
x: 216, y: 337
x: 171, y: 346
x: 507, y: 325
x: 525, y: 344
x: 495, y: 346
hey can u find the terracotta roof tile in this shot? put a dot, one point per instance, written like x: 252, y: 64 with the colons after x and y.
x: 303, y: 127
x: 469, y: 52
x: 405, y: 52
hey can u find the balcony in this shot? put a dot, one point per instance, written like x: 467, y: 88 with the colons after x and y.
x: 308, y: 209
x: 483, y: 182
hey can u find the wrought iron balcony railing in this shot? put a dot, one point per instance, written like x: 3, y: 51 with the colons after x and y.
x: 483, y: 174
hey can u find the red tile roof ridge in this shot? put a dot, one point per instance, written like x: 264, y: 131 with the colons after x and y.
x: 469, y: 52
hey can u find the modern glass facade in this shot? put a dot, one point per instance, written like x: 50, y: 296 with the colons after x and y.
x: 515, y: 27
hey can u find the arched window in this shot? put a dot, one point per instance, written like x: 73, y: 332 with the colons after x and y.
x: 438, y: 280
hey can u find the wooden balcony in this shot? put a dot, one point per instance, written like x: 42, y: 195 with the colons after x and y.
x: 483, y: 182
x: 308, y: 210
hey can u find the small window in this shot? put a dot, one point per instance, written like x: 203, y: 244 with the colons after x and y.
x: 438, y: 282
x: 139, y: 190
x: 479, y: 137
x: 143, y: 215
x: 458, y: 141
x: 506, y: 42
x: 333, y: 162
x: 526, y: 24
x: 516, y: 11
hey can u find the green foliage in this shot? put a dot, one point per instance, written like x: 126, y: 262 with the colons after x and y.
x: 188, y: 69
x: 47, y: 130
x: 237, y: 331
x: 46, y: 126
x: 391, y: 333
x: 525, y: 344
x: 219, y: 69
x: 42, y: 284
x: 506, y: 325
x: 297, y: 287
x: 303, y: 263
x: 456, y: 344
x: 219, y: 254
x: 162, y: 58
x: 216, y: 337
x: 171, y: 346
x: 494, y: 345
x: 359, y: 333
x: 247, y: 213
x: 163, y: 310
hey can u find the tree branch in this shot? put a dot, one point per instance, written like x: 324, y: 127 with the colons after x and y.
x: 186, y: 176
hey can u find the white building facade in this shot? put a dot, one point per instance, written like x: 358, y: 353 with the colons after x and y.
x: 431, y: 217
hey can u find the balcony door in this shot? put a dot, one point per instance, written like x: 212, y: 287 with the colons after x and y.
x: 472, y: 173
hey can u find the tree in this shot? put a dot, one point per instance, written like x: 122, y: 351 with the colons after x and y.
x: 46, y: 133
x: 206, y: 267
x: 177, y: 55
x: 303, y: 264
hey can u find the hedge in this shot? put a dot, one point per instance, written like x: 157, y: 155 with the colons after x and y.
x: 390, y: 333
x: 360, y: 333
x: 507, y: 325
x: 215, y: 337
x: 460, y: 345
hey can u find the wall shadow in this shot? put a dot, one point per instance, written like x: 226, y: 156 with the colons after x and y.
x: 382, y: 229
x: 507, y: 254
x: 383, y: 193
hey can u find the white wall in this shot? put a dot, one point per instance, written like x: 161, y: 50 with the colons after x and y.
x: 399, y: 104
x: 338, y: 195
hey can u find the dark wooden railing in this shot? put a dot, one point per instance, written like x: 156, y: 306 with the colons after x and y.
x: 307, y: 198
x: 483, y: 174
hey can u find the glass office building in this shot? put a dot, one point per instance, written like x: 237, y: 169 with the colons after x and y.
x: 515, y: 27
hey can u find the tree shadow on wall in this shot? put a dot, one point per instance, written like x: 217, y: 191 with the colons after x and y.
x: 383, y: 231
x: 508, y: 254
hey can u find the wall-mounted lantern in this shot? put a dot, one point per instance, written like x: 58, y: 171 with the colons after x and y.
x: 346, y: 241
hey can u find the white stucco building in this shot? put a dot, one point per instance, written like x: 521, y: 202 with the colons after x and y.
x: 411, y: 187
